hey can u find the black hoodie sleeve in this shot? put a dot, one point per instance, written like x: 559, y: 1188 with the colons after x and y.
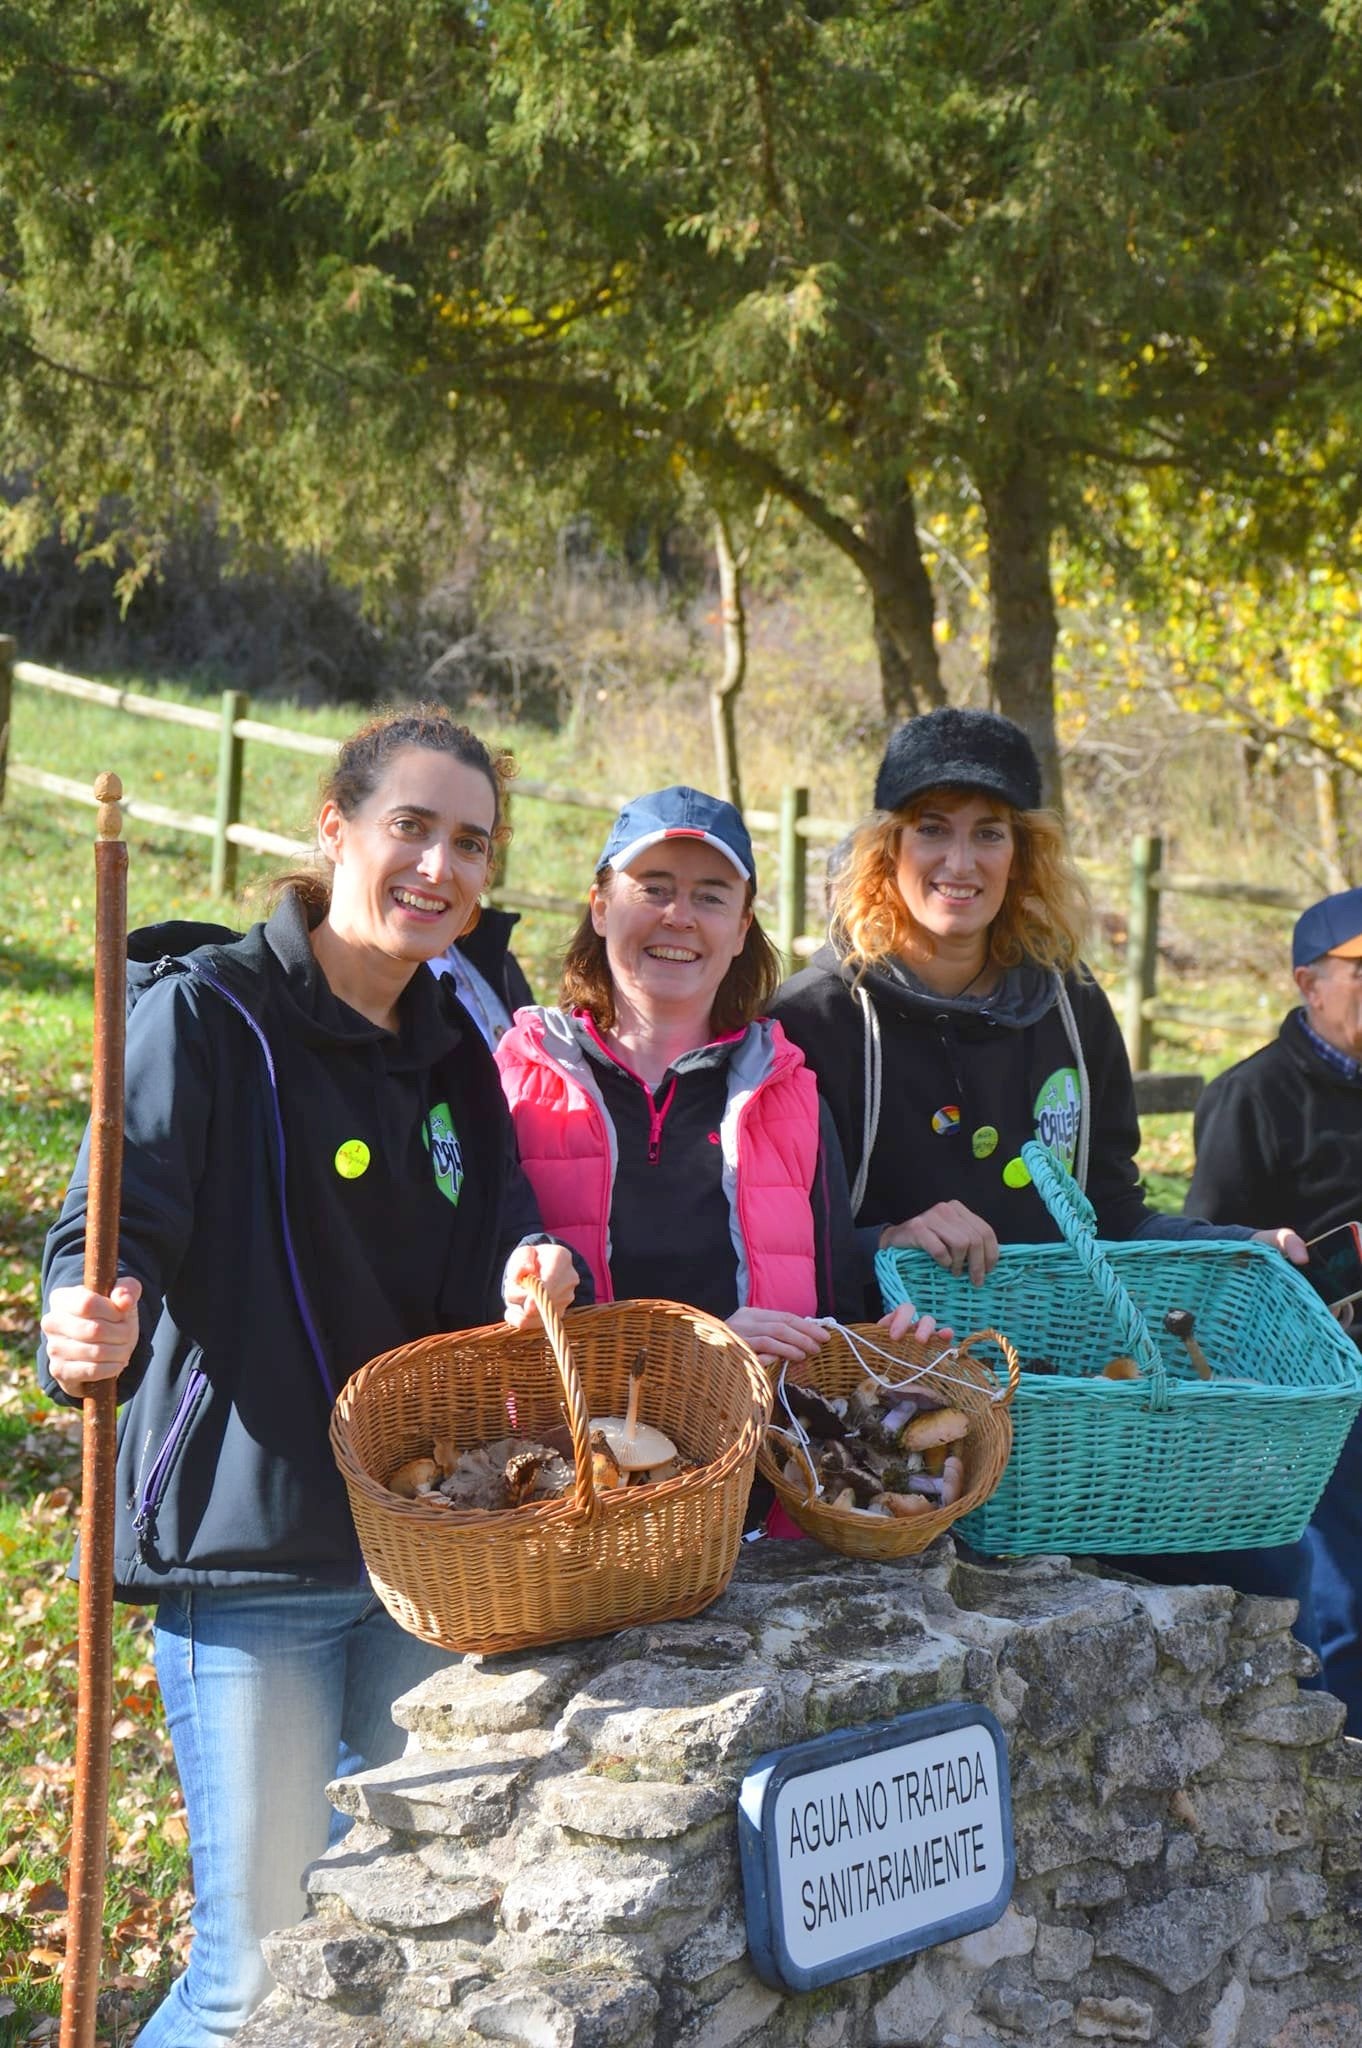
x: 168, y: 1101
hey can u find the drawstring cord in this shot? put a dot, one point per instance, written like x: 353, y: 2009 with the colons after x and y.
x: 910, y: 1375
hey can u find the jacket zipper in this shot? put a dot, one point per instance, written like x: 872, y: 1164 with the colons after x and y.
x: 154, y: 1486
x: 656, y: 1118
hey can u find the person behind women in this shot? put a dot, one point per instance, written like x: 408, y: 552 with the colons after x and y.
x: 318, y: 1166
x: 488, y: 979
x: 950, y: 1019
x: 674, y: 1137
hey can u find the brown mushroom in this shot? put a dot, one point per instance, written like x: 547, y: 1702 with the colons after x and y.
x: 937, y: 1427
x: 417, y: 1476
x: 1121, y: 1369
x: 906, y: 1505
x: 605, y: 1466
x: 952, y: 1481
x: 1180, y: 1323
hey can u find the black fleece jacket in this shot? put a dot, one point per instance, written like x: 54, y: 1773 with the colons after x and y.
x: 1279, y: 1139
x: 301, y: 1191
x: 965, y: 1085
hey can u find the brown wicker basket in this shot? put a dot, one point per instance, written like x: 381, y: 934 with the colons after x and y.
x: 586, y: 1564
x: 963, y: 1381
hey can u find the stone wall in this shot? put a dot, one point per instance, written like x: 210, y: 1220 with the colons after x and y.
x: 553, y: 1863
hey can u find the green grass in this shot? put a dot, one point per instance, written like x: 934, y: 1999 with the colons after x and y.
x: 45, y: 1021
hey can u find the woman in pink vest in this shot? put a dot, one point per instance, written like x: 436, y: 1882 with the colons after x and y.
x: 672, y: 1134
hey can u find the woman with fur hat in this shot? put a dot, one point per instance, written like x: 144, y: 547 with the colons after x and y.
x: 950, y: 1018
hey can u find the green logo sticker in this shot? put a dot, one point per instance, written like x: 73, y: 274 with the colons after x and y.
x: 352, y: 1159
x: 1057, y: 1111
x: 446, y: 1153
x: 984, y: 1141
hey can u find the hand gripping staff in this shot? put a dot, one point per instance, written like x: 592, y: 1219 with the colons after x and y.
x: 85, y: 1883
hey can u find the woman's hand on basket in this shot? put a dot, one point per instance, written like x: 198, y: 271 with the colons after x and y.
x: 949, y: 1233
x: 776, y: 1337
x: 551, y: 1265
x: 90, y: 1337
x: 1289, y: 1243
x: 904, y: 1321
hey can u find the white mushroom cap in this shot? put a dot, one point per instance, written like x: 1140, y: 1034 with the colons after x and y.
x: 636, y: 1449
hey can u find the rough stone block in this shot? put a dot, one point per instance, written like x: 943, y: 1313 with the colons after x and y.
x: 1113, y: 2019
x: 578, y: 1893
x: 689, y: 1722
x: 1298, y: 1894
x: 713, y: 1947
x: 632, y: 1810
x: 1068, y: 1672
x: 1296, y: 1724
x: 436, y: 1796
x: 1252, y: 1820
x: 742, y: 2014
x: 574, y: 2011
x: 1061, y: 1954
x: 1158, y: 1756
x: 328, y: 1959
x: 1277, y: 1956
x: 1222, y: 2028
x: 477, y: 1697
x: 1020, y: 2007
x: 280, y: 2019
x: 1057, y: 1831
x: 907, y: 2016
x: 1259, y: 1614
x: 1013, y: 1935
x: 1255, y: 1664
x: 1097, y: 1884
x: 1320, y: 2026
x: 1179, y: 1940
x: 397, y: 1892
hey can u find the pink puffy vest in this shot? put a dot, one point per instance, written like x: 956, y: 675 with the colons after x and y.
x: 768, y: 1141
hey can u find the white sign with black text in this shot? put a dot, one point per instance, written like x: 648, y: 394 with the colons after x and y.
x: 875, y: 1842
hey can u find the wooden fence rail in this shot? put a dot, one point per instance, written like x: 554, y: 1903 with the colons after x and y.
x: 793, y: 827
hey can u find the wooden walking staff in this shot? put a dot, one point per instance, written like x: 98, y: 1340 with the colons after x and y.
x: 94, y: 1712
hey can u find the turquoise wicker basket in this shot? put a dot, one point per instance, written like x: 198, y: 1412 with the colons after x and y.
x: 1168, y: 1461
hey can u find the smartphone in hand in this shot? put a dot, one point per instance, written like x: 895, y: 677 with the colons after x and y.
x: 1335, y: 1264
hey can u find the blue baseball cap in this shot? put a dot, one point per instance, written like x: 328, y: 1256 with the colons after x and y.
x: 680, y: 813
x: 1333, y: 926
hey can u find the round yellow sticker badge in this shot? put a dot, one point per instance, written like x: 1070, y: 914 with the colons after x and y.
x: 1017, y: 1174
x: 352, y: 1158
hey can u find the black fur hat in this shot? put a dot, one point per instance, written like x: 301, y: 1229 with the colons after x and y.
x: 952, y: 749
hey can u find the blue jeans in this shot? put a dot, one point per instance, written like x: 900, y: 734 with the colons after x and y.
x: 1335, y: 1537
x: 269, y: 1693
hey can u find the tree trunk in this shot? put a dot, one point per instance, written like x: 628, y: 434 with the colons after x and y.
x: 723, y: 697
x: 1328, y: 814
x: 1023, y: 629
x: 904, y: 607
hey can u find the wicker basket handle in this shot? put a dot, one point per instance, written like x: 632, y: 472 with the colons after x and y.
x: 965, y: 1349
x: 574, y: 1398
x: 1077, y: 1220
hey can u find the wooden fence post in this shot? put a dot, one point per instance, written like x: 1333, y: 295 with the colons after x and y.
x: 1142, y: 945
x: 794, y: 871
x: 6, y: 696
x: 231, y: 751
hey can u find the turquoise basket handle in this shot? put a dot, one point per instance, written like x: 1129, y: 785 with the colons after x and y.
x: 1077, y: 1220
